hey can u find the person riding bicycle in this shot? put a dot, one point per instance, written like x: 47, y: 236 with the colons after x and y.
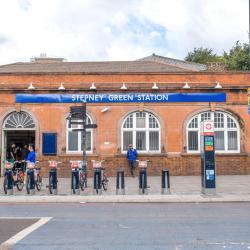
x: 131, y: 156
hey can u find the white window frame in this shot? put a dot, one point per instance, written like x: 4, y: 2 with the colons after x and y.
x: 89, y: 120
x: 225, y: 129
x: 146, y: 129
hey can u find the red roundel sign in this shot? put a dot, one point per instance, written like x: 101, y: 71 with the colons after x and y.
x: 208, y: 127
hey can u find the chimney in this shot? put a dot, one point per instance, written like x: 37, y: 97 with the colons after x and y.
x: 44, y: 59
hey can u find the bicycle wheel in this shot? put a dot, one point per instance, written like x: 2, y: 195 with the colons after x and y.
x: 83, y: 181
x: 28, y: 184
x: 5, y: 184
x: 105, y: 183
x: 143, y: 185
x: 74, y: 184
x: 96, y: 183
x: 20, y: 182
x: 51, y: 184
x: 39, y: 182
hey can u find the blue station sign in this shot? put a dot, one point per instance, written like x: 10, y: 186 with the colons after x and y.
x: 121, y: 98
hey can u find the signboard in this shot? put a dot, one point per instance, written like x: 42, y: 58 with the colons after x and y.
x: 121, y: 98
x: 207, y: 128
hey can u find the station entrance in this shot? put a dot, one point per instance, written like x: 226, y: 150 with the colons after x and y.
x: 18, y: 128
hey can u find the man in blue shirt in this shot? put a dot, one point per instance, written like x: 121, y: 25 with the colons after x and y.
x: 31, y: 155
x: 131, y: 156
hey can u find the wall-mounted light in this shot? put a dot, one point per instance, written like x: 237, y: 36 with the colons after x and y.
x: 218, y: 86
x: 155, y: 86
x: 123, y: 87
x: 92, y: 87
x: 31, y: 87
x: 61, y: 87
x: 105, y: 109
x: 186, y: 86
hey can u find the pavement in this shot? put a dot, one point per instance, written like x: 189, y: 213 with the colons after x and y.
x: 233, y: 188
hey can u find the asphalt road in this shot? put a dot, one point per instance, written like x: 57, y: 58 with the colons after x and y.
x: 136, y: 226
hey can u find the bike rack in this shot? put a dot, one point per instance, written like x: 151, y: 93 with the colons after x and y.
x: 143, y: 181
x: 53, y: 175
x: 10, y: 182
x: 75, y: 175
x: 165, y: 182
x: 97, y: 181
x: 31, y: 175
x: 120, y: 183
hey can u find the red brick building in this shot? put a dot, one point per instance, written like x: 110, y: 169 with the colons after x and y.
x: 163, y: 131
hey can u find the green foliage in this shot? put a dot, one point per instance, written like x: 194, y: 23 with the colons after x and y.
x: 201, y: 55
x: 236, y: 59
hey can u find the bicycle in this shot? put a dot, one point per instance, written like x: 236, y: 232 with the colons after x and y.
x: 82, y: 177
x: 8, y: 170
x: 97, y: 165
x: 18, y: 172
x: 37, y: 176
x: 53, y: 175
x: 143, y: 171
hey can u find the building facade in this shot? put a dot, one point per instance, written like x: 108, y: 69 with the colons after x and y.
x: 164, y: 130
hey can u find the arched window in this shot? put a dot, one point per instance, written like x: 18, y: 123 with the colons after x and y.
x: 74, y: 138
x: 141, y: 129
x: 19, y: 120
x: 227, y: 133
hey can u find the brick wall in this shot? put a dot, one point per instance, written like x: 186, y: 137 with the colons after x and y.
x: 178, y: 165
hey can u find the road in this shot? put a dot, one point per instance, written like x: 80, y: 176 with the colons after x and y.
x: 135, y: 226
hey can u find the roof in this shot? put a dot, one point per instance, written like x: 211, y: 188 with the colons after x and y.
x: 151, y: 64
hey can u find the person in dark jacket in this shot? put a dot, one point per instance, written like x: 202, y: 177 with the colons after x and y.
x: 131, y: 156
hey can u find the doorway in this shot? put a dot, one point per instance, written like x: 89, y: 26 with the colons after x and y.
x: 18, y: 128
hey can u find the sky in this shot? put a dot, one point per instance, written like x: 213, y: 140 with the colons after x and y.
x: 100, y: 30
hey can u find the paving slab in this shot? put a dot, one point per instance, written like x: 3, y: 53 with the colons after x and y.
x: 235, y: 188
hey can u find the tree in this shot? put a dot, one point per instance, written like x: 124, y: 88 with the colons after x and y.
x: 238, y: 57
x: 202, y: 55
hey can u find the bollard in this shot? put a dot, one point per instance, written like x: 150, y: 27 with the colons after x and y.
x: 165, y: 182
x: 31, y: 182
x: 9, y: 182
x: 75, y: 182
x: 143, y: 182
x: 120, y: 183
x: 53, y: 176
x: 97, y: 181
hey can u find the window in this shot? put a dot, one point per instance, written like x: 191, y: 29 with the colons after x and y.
x: 141, y: 129
x: 19, y: 120
x: 74, y: 138
x: 226, y: 132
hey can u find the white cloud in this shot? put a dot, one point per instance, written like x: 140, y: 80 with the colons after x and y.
x: 116, y: 29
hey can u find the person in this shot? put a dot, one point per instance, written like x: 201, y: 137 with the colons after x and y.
x: 12, y: 153
x: 30, y: 158
x: 131, y: 156
x: 25, y: 152
x: 31, y: 155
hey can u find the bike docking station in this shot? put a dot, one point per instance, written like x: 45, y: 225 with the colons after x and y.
x: 120, y: 183
x: 165, y: 182
x: 208, y: 170
x: 53, y: 177
x: 78, y: 116
x: 97, y: 187
x: 30, y: 180
x: 8, y: 179
x: 143, y: 187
